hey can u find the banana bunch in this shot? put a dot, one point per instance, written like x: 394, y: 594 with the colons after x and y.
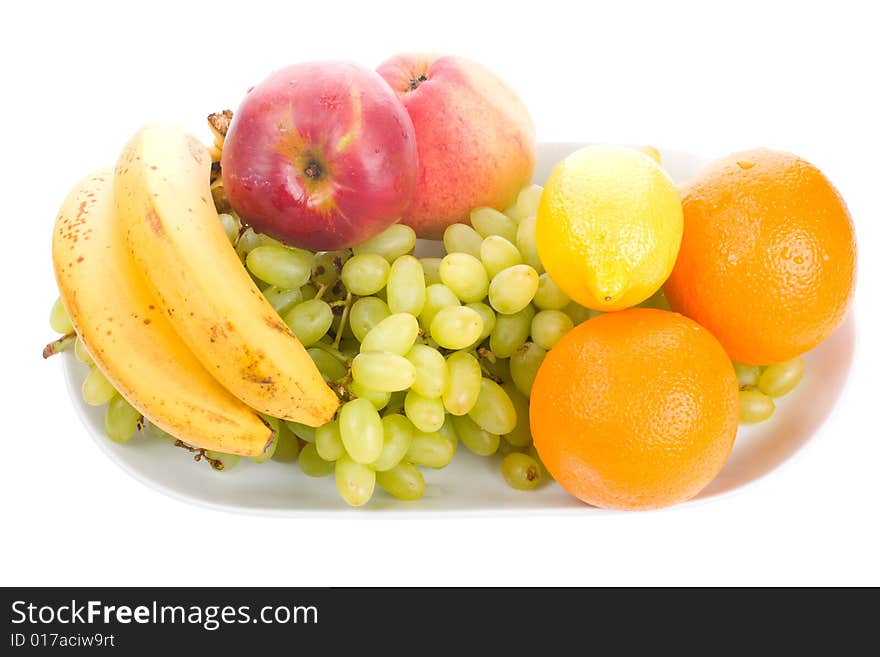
x: 166, y: 309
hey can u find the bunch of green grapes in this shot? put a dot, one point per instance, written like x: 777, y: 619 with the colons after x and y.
x: 758, y: 386
x: 423, y: 353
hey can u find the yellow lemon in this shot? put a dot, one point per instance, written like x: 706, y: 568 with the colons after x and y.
x: 609, y: 226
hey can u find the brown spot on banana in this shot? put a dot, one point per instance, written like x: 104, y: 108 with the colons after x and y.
x: 154, y: 222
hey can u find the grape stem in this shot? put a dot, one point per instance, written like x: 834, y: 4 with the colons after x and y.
x: 61, y: 344
x: 333, y: 351
x: 320, y: 292
x: 342, y: 321
x: 200, y: 454
x: 484, y: 355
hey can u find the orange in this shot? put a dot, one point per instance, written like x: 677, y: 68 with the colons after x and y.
x: 768, y: 256
x: 636, y: 409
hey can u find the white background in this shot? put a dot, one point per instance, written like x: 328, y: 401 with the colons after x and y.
x: 79, y: 78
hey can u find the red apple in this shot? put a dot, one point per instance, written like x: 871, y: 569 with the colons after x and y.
x: 321, y: 156
x: 475, y: 137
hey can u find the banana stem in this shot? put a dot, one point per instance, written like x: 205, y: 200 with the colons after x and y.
x: 63, y: 343
x: 342, y: 321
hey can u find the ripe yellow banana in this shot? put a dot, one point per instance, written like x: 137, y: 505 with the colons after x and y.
x: 128, y: 336
x: 163, y: 200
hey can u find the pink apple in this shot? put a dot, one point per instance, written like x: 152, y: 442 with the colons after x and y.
x: 475, y: 137
x: 321, y: 156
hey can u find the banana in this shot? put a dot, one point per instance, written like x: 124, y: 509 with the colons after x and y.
x: 163, y: 200
x: 128, y: 336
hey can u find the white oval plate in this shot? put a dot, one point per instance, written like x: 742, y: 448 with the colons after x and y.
x: 471, y: 484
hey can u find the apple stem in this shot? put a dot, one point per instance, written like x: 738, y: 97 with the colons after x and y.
x: 342, y: 321
x: 415, y: 82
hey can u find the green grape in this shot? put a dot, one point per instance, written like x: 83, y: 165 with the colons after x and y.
x: 247, y: 242
x: 498, y: 369
x: 498, y: 253
x: 59, y: 320
x: 548, y: 327
x: 308, y: 292
x: 465, y: 276
x: 383, y: 371
x: 527, y: 202
x: 328, y: 441
x: 396, y: 334
x: 448, y: 432
x: 524, y: 365
x: 265, y: 240
x: 657, y: 300
x: 747, y: 375
x: 312, y: 464
x: 227, y: 461
x: 398, y: 433
x: 309, y: 320
x: 478, y: 440
x: 391, y: 243
x: 404, y: 481
x: 488, y: 317
x: 431, y: 370
x: 231, y: 226
x: 161, y: 434
x: 505, y: 447
x: 548, y: 296
x: 273, y: 422
x: 406, y: 286
x: 327, y: 266
x: 463, y: 387
x: 461, y: 238
x: 754, y: 406
x: 365, y: 274
x: 365, y: 314
x: 303, y: 431
x: 493, y: 410
x: 329, y: 366
x: 432, y: 450
x: 437, y: 297
x: 361, y: 429
x: 781, y: 378
x: 426, y: 413
x: 488, y: 221
x: 431, y: 269
x: 395, y: 402
x: 578, y: 313
x: 280, y: 266
x: 96, y: 389
x: 512, y: 289
x: 377, y: 398
x: 286, y: 445
x: 355, y: 481
x: 282, y: 300
x: 521, y: 471
x: 349, y: 347
x: 270, y: 450
x: 527, y: 244
x: 456, y: 327
x: 521, y: 436
x: 81, y: 352
x: 121, y: 420
x: 510, y: 332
